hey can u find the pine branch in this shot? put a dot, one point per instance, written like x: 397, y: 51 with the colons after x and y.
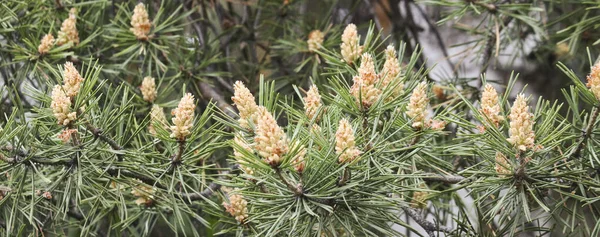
x: 73, y: 212
x: 438, y: 37
x: 424, y: 223
x: 450, y: 179
x: 114, y: 171
x: 263, y: 188
x: 196, y: 24
x: 46, y: 161
x: 585, y: 134
x: 209, y: 92
x: 210, y: 190
x: 493, y: 37
x: 345, y: 177
x: 206, y: 193
x: 414, y: 29
x: 490, y: 7
x: 58, y: 4
x: 4, y: 190
x: 7, y: 159
x: 176, y: 159
x: 37, y: 160
x: 297, y: 190
x: 7, y: 148
x: 188, y: 197
x: 112, y: 143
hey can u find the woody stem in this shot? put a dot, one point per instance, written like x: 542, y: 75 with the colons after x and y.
x: 297, y: 190
x: 585, y: 134
x: 345, y: 177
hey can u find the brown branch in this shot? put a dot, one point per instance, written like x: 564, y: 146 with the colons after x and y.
x: 74, y: 212
x: 262, y: 187
x: 58, y: 4
x: 297, y: 190
x: 4, y: 189
x: 404, y: 21
x: 493, y: 38
x: 487, y: 53
x: 112, y: 143
x: 345, y: 177
x: 209, y: 191
x: 585, y: 134
x: 450, y: 179
x: 209, y: 92
x: 329, y: 202
x: 188, y: 197
x: 46, y: 161
x: 414, y: 29
x: 114, y: 171
x: 37, y: 160
x: 98, y: 133
x: 490, y: 7
x: 176, y: 159
x: 206, y: 193
x: 7, y: 159
x: 438, y: 38
x: 9, y: 148
x: 3, y: 192
x: 196, y: 24
x: 424, y: 223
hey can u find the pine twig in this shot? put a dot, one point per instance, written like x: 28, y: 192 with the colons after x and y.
x: 206, y: 193
x: 585, y: 134
x: 59, y: 5
x: 492, y: 8
x: 297, y: 190
x: 98, y: 133
x: 492, y: 38
x: 188, y: 197
x: 345, y: 177
x: 450, y: 179
x: 73, y: 212
x: 112, y: 143
x: 487, y: 53
x: 424, y: 223
x: 176, y: 159
x: 128, y: 173
x: 46, y: 161
x: 209, y: 92
x: 7, y: 159
x: 209, y: 191
x: 263, y: 188
x: 438, y: 38
x: 38, y: 160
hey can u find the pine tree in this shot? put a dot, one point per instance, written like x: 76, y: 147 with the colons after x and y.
x: 296, y: 118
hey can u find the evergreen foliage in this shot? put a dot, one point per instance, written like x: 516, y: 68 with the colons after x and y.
x: 287, y: 119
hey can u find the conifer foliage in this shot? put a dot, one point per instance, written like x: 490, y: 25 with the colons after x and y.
x: 252, y: 118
